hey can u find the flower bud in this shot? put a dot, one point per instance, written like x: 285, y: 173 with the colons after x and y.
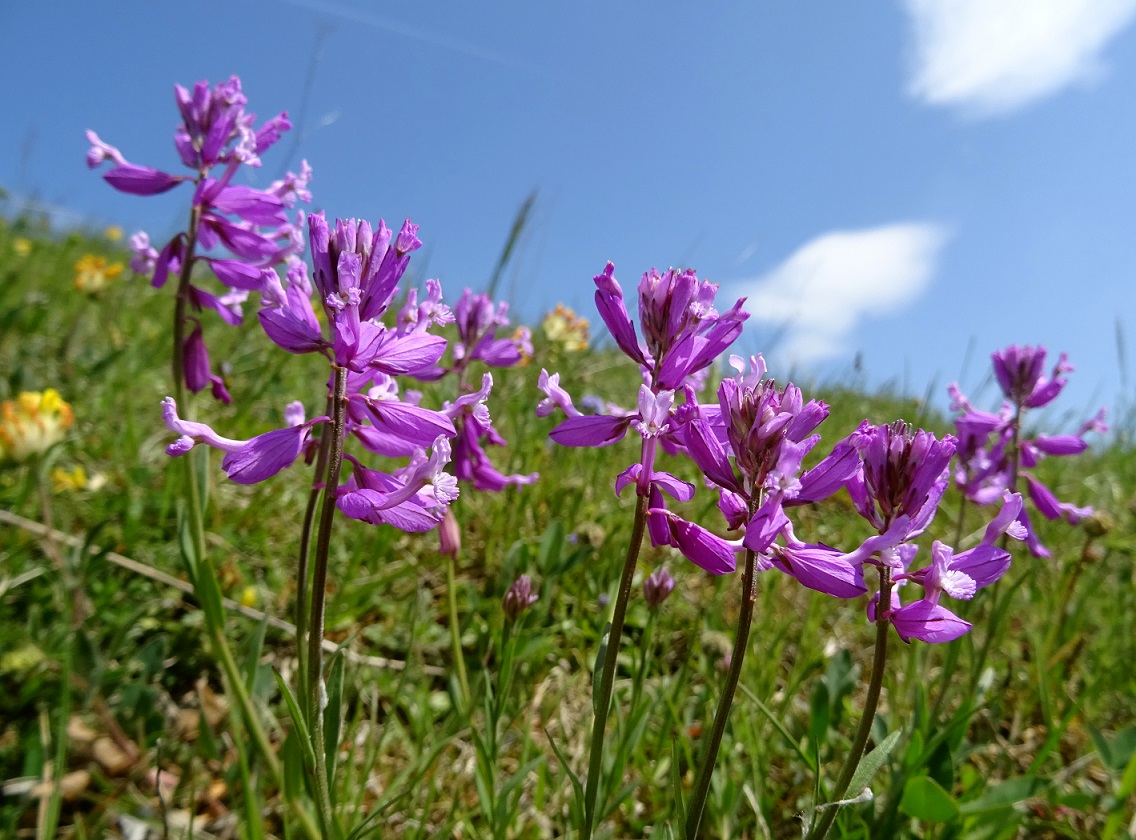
x: 519, y: 598
x: 657, y: 586
x: 449, y: 536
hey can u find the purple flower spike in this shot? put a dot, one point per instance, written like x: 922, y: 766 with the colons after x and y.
x: 215, y: 132
x: 683, y: 334
x: 994, y: 454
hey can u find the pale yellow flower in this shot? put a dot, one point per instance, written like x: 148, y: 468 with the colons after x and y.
x: 32, y: 423
x: 22, y: 246
x: 564, y: 327
x: 248, y: 596
x: 113, y: 233
x: 93, y: 274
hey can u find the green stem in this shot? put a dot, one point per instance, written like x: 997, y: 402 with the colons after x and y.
x: 821, y: 827
x: 607, y: 679
x: 741, y: 643
x: 201, y: 566
x: 318, y: 597
x: 302, y: 570
x: 455, y: 629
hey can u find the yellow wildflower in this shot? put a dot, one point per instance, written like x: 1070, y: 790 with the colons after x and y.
x: 69, y: 480
x: 93, y: 274
x: 564, y: 327
x: 248, y: 596
x: 32, y: 423
x: 22, y: 246
x: 113, y: 233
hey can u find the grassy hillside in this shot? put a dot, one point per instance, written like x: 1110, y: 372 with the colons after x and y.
x: 104, y: 673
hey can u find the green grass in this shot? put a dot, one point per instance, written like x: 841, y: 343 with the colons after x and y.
x: 1040, y: 750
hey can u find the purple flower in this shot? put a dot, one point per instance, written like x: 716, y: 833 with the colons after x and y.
x: 478, y: 320
x: 246, y: 461
x: 994, y: 455
x: 471, y: 463
x: 366, y: 268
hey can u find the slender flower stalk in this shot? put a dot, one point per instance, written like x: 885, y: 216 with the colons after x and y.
x: 614, y: 632
x: 868, y: 715
x: 316, y: 694
x: 477, y: 319
x: 767, y: 430
x: 303, y: 572
x: 697, y: 803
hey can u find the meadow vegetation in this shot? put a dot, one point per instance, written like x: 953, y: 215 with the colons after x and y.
x: 115, y: 714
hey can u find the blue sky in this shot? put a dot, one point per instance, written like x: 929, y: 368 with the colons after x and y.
x: 912, y: 184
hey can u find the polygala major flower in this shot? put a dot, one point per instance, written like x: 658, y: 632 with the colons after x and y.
x: 356, y: 273
x: 682, y: 335
x: 32, y: 423
x: 768, y: 430
x: 246, y: 231
x: 478, y: 319
x: 657, y: 587
x: 519, y: 598
x: 995, y: 455
x: 900, y: 479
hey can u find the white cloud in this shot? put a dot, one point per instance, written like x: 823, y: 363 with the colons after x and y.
x: 822, y: 292
x: 989, y: 57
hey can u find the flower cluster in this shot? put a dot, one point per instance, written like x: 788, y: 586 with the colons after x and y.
x: 93, y: 274
x: 251, y: 224
x: 682, y: 334
x: 565, y: 329
x: 768, y: 431
x: 899, y: 477
x: 994, y: 455
x: 32, y: 423
x: 478, y: 319
x: 355, y: 276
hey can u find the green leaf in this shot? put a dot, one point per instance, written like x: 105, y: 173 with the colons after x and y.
x: 1002, y: 796
x: 924, y: 799
x: 820, y: 706
x: 292, y: 757
x: 577, y: 787
x: 252, y: 660
x: 676, y: 787
x: 297, y: 721
x: 597, y: 669
x: 551, y: 547
x: 333, y: 718
x: 871, y: 763
x: 254, y: 817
